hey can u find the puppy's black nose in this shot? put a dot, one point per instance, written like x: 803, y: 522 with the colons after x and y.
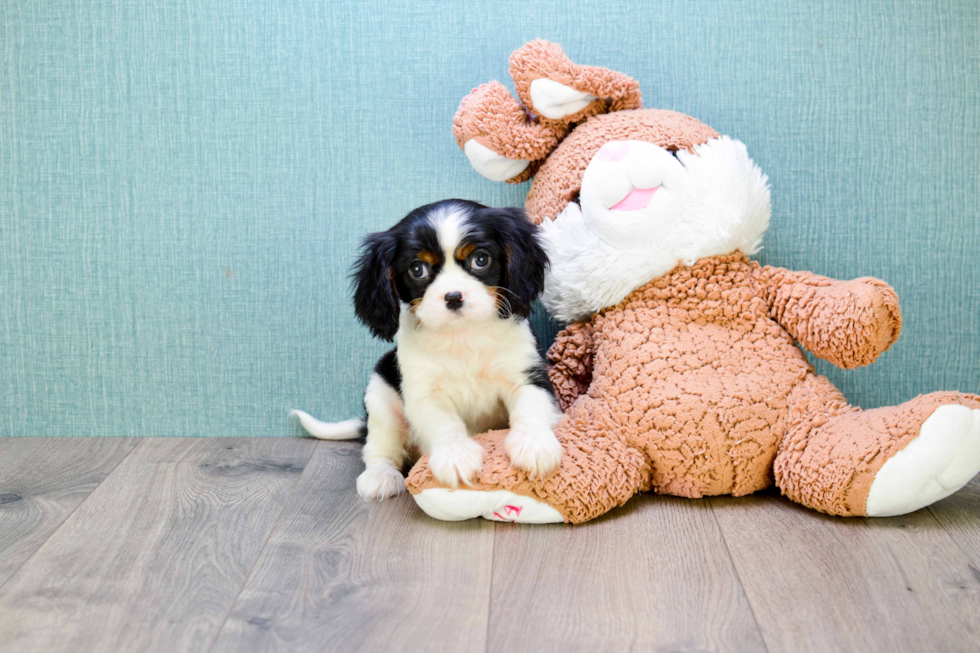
x: 454, y: 300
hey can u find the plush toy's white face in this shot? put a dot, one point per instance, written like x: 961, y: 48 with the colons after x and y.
x: 643, y: 210
x: 630, y: 192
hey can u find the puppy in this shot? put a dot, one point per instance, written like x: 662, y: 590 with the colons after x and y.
x: 452, y: 284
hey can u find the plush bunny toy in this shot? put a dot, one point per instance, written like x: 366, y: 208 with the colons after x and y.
x: 681, y: 373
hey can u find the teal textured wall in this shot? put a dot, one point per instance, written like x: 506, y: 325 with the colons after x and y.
x: 183, y: 182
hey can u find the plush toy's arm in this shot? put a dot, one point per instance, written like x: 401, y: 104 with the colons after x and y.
x: 849, y: 323
x: 570, y: 362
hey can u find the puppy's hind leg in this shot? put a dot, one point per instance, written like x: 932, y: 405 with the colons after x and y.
x: 387, y: 441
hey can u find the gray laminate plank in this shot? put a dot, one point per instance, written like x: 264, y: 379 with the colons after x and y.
x: 42, y: 480
x: 341, y: 574
x: 960, y: 516
x: 820, y: 583
x: 654, y: 575
x: 154, y: 558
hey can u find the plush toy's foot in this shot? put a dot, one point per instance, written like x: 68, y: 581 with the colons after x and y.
x: 598, y: 471
x: 500, y: 505
x: 842, y: 460
x: 943, y: 458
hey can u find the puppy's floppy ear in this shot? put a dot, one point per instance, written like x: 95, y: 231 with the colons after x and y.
x: 373, y: 277
x: 525, y: 259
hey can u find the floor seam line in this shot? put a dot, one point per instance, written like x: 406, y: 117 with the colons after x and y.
x: 68, y: 516
x: 265, y: 544
x: 738, y: 576
x: 493, y: 555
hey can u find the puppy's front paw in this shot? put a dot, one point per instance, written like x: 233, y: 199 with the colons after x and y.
x: 380, y: 482
x: 536, y: 451
x: 459, y: 460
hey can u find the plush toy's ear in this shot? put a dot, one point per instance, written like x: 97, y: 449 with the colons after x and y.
x: 560, y: 91
x: 500, y: 139
x: 506, y: 140
x: 526, y: 261
x: 373, y: 277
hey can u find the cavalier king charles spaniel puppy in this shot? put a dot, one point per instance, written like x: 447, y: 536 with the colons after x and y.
x: 452, y: 284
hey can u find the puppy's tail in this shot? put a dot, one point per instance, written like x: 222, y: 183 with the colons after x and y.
x: 348, y: 430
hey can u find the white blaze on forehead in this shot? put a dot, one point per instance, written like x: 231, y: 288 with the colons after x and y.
x: 450, y: 227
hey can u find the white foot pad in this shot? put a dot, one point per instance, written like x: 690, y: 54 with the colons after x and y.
x: 939, y: 461
x: 555, y: 100
x: 491, y: 165
x: 500, y: 505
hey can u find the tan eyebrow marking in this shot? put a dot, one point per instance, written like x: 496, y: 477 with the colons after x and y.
x: 464, y: 250
x: 428, y: 257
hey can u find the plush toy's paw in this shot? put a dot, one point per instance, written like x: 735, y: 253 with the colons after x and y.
x: 495, y: 505
x: 537, y: 452
x: 379, y: 482
x: 938, y: 462
x: 457, y: 461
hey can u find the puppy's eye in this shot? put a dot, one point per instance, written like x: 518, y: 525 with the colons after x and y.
x: 419, y: 269
x: 480, y: 260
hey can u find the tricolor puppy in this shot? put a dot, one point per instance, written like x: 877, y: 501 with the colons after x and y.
x: 452, y: 284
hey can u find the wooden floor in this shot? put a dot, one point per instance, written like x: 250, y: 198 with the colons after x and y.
x: 263, y: 545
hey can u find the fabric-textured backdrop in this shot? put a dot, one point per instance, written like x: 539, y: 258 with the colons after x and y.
x: 183, y: 183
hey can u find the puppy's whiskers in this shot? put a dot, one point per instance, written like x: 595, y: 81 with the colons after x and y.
x: 501, y: 300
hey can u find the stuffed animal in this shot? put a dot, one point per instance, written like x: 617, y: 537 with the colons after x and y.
x: 680, y: 372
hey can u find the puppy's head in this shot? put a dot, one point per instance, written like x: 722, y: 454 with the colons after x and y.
x: 451, y: 263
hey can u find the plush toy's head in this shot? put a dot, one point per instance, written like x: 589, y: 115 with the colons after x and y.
x: 623, y: 194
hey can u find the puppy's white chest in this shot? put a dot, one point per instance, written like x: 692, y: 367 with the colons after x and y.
x: 474, y: 377
x: 474, y: 389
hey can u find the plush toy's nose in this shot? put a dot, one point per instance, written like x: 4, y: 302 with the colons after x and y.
x: 454, y: 300
x: 613, y: 151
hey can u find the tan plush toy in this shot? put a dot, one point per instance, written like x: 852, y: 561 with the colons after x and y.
x: 681, y: 372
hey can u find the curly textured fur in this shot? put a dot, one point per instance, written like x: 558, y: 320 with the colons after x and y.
x: 685, y: 374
